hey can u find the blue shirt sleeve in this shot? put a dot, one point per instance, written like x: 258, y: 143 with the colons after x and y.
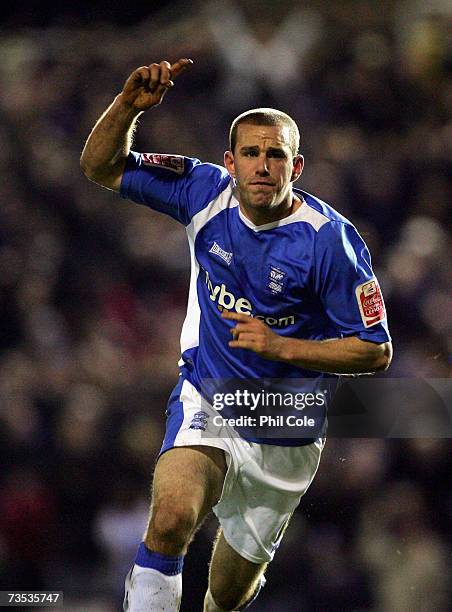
x: 346, y: 284
x: 172, y: 184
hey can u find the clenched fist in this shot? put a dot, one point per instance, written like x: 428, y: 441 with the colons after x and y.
x: 147, y: 85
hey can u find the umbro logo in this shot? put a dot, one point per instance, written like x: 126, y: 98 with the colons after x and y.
x: 217, y: 250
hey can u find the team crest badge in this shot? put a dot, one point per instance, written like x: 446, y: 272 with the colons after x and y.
x: 276, y: 280
x: 199, y: 420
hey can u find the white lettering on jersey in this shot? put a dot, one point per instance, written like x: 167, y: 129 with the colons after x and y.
x: 226, y: 299
x: 370, y: 302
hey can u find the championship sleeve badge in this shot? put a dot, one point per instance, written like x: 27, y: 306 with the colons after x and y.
x: 169, y: 162
x: 370, y: 302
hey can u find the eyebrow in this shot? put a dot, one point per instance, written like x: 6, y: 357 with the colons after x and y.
x: 256, y: 148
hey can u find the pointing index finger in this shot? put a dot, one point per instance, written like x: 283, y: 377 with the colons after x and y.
x: 180, y: 66
x: 236, y: 316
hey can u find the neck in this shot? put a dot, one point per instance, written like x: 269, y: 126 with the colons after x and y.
x: 269, y: 215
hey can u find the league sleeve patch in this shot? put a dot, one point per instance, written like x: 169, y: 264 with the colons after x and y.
x: 170, y: 162
x: 370, y: 302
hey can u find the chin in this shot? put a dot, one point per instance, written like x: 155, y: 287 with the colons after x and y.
x: 264, y: 203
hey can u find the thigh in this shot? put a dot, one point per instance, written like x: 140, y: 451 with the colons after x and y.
x: 189, y: 476
x: 261, y: 499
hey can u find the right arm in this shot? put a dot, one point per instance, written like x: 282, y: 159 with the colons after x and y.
x: 105, y: 153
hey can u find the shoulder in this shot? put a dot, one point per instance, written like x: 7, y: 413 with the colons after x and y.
x: 335, y: 235
x: 174, y: 166
x: 325, y: 219
x: 173, y: 184
x: 321, y: 212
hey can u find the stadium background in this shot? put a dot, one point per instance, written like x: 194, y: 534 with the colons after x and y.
x: 93, y: 289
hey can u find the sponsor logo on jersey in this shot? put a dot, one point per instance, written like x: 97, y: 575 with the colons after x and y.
x: 370, y: 302
x: 276, y: 280
x: 170, y: 162
x: 217, y: 250
x: 199, y: 420
x: 227, y: 300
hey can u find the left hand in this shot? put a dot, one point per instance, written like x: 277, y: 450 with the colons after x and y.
x: 255, y: 335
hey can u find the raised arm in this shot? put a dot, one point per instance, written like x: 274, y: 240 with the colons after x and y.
x: 105, y: 152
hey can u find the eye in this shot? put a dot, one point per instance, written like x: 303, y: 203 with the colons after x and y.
x: 278, y: 154
x: 250, y: 153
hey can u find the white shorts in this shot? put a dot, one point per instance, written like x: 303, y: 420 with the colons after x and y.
x: 264, y: 483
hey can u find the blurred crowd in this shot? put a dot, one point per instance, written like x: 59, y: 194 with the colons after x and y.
x: 93, y: 289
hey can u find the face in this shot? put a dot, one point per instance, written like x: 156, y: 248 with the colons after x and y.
x: 264, y: 167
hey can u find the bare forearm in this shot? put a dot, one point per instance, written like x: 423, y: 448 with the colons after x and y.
x: 105, y: 153
x: 109, y: 143
x: 338, y: 356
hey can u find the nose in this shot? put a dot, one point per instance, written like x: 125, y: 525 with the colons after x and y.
x: 261, y: 165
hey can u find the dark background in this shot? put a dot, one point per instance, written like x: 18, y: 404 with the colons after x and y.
x: 93, y: 289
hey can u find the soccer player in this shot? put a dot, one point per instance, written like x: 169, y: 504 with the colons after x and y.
x: 281, y: 288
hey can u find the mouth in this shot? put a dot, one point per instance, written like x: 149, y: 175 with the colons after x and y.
x: 262, y: 183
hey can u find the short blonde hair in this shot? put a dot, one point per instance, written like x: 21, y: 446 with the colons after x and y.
x: 265, y: 116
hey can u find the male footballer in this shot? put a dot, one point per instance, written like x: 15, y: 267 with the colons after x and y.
x: 281, y: 288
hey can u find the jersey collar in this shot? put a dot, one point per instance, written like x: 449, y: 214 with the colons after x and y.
x: 293, y: 218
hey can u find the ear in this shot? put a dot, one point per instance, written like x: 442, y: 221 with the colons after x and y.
x: 298, y: 165
x: 229, y: 163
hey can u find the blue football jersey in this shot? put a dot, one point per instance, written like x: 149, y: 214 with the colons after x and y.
x: 307, y: 276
